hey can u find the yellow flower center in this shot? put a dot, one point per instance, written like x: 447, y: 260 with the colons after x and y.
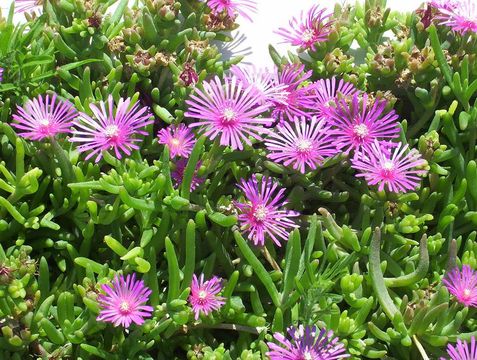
x: 304, y: 145
x: 202, y: 294
x: 361, y: 130
x: 228, y: 115
x: 388, y: 165
x: 260, y: 213
x: 308, y: 356
x: 175, y: 142
x: 44, y: 122
x: 111, y: 131
x: 308, y: 35
x: 467, y: 293
x: 124, y: 306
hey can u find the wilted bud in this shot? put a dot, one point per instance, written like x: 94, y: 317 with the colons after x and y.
x: 188, y: 76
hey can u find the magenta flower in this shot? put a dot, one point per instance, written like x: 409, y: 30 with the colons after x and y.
x: 463, y: 350
x: 307, y: 143
x: 203, y: 295
x: 124, y: 301
x: 463, y: 285
x: 262, y: 80
x: 327, y: 92
x: 443, y: 4
x: 392, y: 168
x: 111, y: 128
x: 358, y: 124
x: 298, y: 96
x: 261, y: 214
x: 27, y: 5
x: 307, y: 343
x: 178, y: 174
x: 233, y: 7
x: 311, y: 28
x: 460, y: 16
x: 228, y: 111
x: 41, y: 118
x: 178, y: 138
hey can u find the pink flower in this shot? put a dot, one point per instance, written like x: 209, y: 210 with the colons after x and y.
x: 261, y: 214
x: 41, y: 118
x: 307, y: 343
x: 111, y: 128
x: 327, y: 92
x: 124, y: 301
x: 228, y: 111
x: 463, y: 350
x: 311, y: 28
x: 233, y: 7
x: 443, y: 4
x: 178, y: 138
x: 460, y: 16
x: 307, y: 143
x: 262, y: 80
x: 27, y: 5
x: 178, y: 174
x: 358, y: 124
x: 391, y: 168
x: 203, y: 295
x: 297, y: 96
x: 463, y: 285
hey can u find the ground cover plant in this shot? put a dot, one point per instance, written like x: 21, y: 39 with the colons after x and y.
x: 159, y: 200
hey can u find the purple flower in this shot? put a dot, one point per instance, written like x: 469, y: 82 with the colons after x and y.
x: 307, y: 343
x: 124, y: 301
x: 460, y: 16
x: 178, y: 174
x: 327, y: 92
x: 311, y: 28
x: 391, y: 168
x: 111, y: 128
x: 228, y: 111
x: 203, y: 295
x: 233, y: 7
x: 297, y: 96
x: 307, y: 143
x: 1, y: 74
x: 27, y: 5
x: 261, y: 214
x: 358, y: 124
x: 178, y: 138
x: 262, y: 80
x: 443, y: 4
x: 44, y: 117
x: 463, y: 350
x: 463, y: 285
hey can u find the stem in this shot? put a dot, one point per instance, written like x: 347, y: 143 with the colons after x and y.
x: 420, y: 348
x: 270, y: 259
x: 63, y: 161
x: 243, y: 328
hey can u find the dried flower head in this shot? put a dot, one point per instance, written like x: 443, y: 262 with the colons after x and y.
x: 228, y: 111
x: 204, y: 295
x: 124, y: 301
x: 463, y: 285
x: 394, y: 168
x: 311, y: 28
x: 306, y: 144
x: 111, y: 128
x: 44, y: 117
x: 307, y: 343
x: 262, y: 213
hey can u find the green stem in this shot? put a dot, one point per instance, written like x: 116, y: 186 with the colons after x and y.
x: 63, y: 161
x: 242, y: 328
x: 420, y: 348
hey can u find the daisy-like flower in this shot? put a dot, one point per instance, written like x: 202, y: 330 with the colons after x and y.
x: 111, y: 128
x: 233, y: 7
x: 462, y: 350
x: 204, y: 295
x: 460, y: 16
x: 262, y: 214
x: 178, y: 174
x: 178, y: 138
x: 124, y: 301
x: 392, y: 168
x: 44, y: 117
x: 358, y: 124
x: 307, y: 343
x: 327, y: 92
x: 312, y: 27
x: 228, y: 111
x: 307, y: 143
x: 463, y: 285
x: 297, y: 96
x: 262, y: 80
x: 27, y: 5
